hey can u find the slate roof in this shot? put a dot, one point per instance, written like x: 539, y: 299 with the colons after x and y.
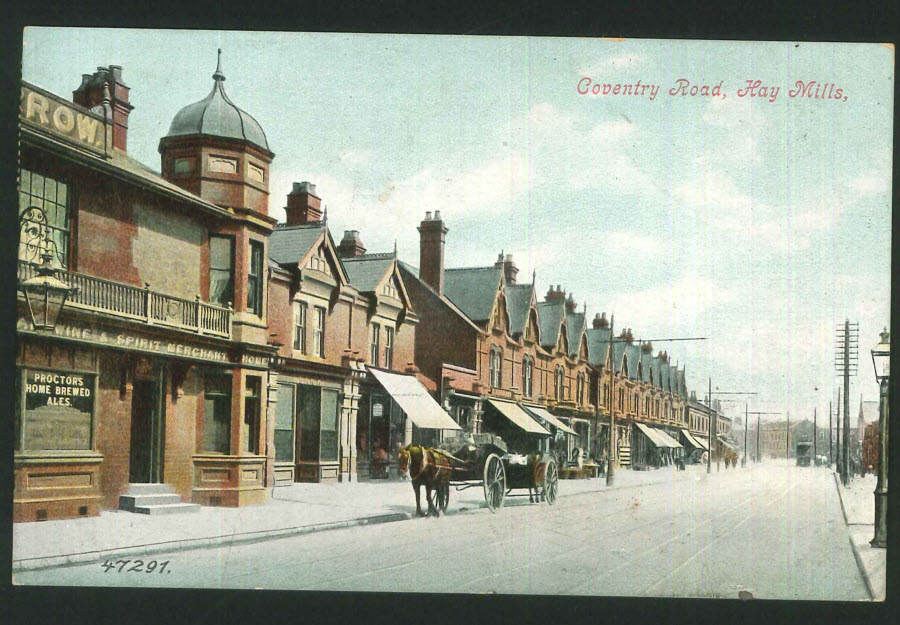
x: 656, y: 365
x: 575, y: 326
x: 473, y: 290
x: 518, y: 300
x: 633, y: 352
x: 618, y: 348
x: 665, y: 373
x: 288, y: 245
x: 645, y: 367
x: 598, y: 346
x: 550, y: 315
x: 367, y: 271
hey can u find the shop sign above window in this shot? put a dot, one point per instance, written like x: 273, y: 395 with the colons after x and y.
x: 64, y: 119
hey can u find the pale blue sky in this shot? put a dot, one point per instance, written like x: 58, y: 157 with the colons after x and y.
x: 757, y: 224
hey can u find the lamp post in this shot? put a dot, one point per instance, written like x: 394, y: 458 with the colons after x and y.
x: 881, y: 359
x: 45, y: 294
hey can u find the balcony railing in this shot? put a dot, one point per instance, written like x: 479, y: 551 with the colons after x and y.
x: 141, y: 304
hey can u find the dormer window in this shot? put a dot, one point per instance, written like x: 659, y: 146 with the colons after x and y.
x: 319, y: 261
x: 390, y: 290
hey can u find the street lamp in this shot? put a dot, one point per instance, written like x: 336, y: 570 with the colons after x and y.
x: 45, y: 294
x: 881, y: 359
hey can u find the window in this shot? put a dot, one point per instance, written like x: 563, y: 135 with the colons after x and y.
x: 373, y: 345
x: 560, y: 381
x: 255, y: 279
x: 217, y: 413
x: 300, y: 328
x: 390, y: 290
x: 388, y: 348
x: 621, y: 399
x: 221, y: 270
x: 579, y: 395
x: 58, y: 412
x: 52, y: 197
x: 319, y: 335
x: 284, y: 423
x: 317, y: 416
x: 527, y: 376
x: 250, y: 433
x: 496, y: 367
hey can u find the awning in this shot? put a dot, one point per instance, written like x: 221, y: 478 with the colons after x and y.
x: 704, y: 442
x: 652, y: 434
x: 546, y: 416
x: 514, y: 413
x: 693, y: 441
x: 727, y: 444
x: 415, y: 400
x: 668, y: 440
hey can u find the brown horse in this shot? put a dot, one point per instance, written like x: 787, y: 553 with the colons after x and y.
x: 429, y: 467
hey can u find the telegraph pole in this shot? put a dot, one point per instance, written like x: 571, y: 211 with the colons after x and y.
x: 830, y: 447
x: 758, y: 450
x: 788, y: 437
x: 815, y: 452
x: 839, y: 463
x: 611, y: 462
x: 846, y: 354
x: 711, y: 426
x: 746, y: 417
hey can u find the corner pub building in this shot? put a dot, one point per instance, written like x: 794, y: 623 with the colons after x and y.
x: 155, y: 380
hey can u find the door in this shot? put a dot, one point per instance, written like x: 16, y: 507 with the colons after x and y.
x: 147, y: 428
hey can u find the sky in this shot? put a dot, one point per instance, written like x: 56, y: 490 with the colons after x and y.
x: 752, y: 218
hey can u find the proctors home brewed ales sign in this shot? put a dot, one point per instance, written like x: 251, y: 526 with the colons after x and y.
x: 59, y: 406
x: 53, y: 114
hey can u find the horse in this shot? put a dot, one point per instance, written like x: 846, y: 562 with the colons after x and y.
x: 429, y: 467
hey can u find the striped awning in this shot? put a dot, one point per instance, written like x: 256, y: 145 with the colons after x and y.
x: 518, y: 416
x: 658, y: 437
x: 690, y: 439
x: 668, y: 440
x: 415, y: 401
x: 704, y: 442
x: 549, y: 418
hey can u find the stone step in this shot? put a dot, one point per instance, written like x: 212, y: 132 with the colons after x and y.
x: 168, y: 508
x: 129, y: 502
x: 135, y: 488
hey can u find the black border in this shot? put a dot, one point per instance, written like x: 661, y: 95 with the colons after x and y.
x: 794, y: 20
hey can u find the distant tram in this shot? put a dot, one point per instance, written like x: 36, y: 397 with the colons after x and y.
x: 804, y: 454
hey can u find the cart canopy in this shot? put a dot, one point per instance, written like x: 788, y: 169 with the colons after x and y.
x: 415, y: 400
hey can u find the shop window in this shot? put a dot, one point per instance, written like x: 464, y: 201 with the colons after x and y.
x: 284, y: 423
x: 221, y: 270
x: 52, y: 197
x: 217, y: 413
x: 319, y: 335
x: 255, y: 279
x: 388, y: 348
x: 300, y: 328
x: 386, y: 430
x: 58, y: 410
x: 252, y: 403
x: 560, y: 379
x: 373, y: 346
x: 317, y: 417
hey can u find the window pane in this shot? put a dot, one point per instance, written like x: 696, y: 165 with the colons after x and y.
x: 37, y: 185
x: 284, y: 423
x: 329, y: 440
x: 220, y: 252
x: 309, y: 405
x: 217, y: 414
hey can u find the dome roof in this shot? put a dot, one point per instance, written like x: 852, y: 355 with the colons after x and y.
x: 217, y: 116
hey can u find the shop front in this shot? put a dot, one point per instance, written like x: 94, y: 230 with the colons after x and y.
x: 516, y: 426
x: 102, y: 406
x: 395, y: 411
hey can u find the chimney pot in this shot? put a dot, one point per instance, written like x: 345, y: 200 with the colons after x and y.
x: 437, y: 215
x: 303, y: 205
x: 427, y: 215
x: 432, y: 236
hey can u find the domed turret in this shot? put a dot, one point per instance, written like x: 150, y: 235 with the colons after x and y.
x: 217, y: 116
x: 219, y: 152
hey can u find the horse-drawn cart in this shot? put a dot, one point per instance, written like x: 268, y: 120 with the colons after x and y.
x: 481, y: 460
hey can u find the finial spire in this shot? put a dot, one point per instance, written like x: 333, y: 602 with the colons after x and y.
x: 219, y: 75
x: 325, y: 215
x: 395, y: 248
x: 533, y: 276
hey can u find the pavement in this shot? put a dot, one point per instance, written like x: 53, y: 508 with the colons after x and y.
x: 292, y: 510
x: 766, y: 532
x: 858, y: 506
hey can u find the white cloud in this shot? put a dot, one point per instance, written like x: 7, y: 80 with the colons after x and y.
x: 611, y: 64
x: 679, y: 304
x: 624, y: 243
x: 355, y: 158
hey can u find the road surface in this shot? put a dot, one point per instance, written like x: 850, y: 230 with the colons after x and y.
x: 774, y: 531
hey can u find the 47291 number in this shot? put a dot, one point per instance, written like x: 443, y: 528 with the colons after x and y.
x: 137, y: 566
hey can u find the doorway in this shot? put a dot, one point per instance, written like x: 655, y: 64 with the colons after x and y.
x: 147, y: 427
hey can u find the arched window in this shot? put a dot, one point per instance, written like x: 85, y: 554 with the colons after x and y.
x: 580, y: 389
x: 496, y: 367
x: 560, y: 381
x: 527, y: 376
x: 637, y: 403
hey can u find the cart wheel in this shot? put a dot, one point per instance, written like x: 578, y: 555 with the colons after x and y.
x: 494, y: 482
x: 551, y: 482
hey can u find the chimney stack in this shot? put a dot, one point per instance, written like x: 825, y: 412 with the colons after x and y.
x: 554, y: 295
x: 90, y: 95
x: 510, y: 271
x: 570, y: 304
x: 351, y: 245
x: 647, y: 348
x: 663, y: 357
x: 432, y: 235
x: 303, y: 205
x: 600, y: 321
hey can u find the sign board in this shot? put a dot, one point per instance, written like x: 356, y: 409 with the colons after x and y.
x: 64, y: 119
x: 59, y: 409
